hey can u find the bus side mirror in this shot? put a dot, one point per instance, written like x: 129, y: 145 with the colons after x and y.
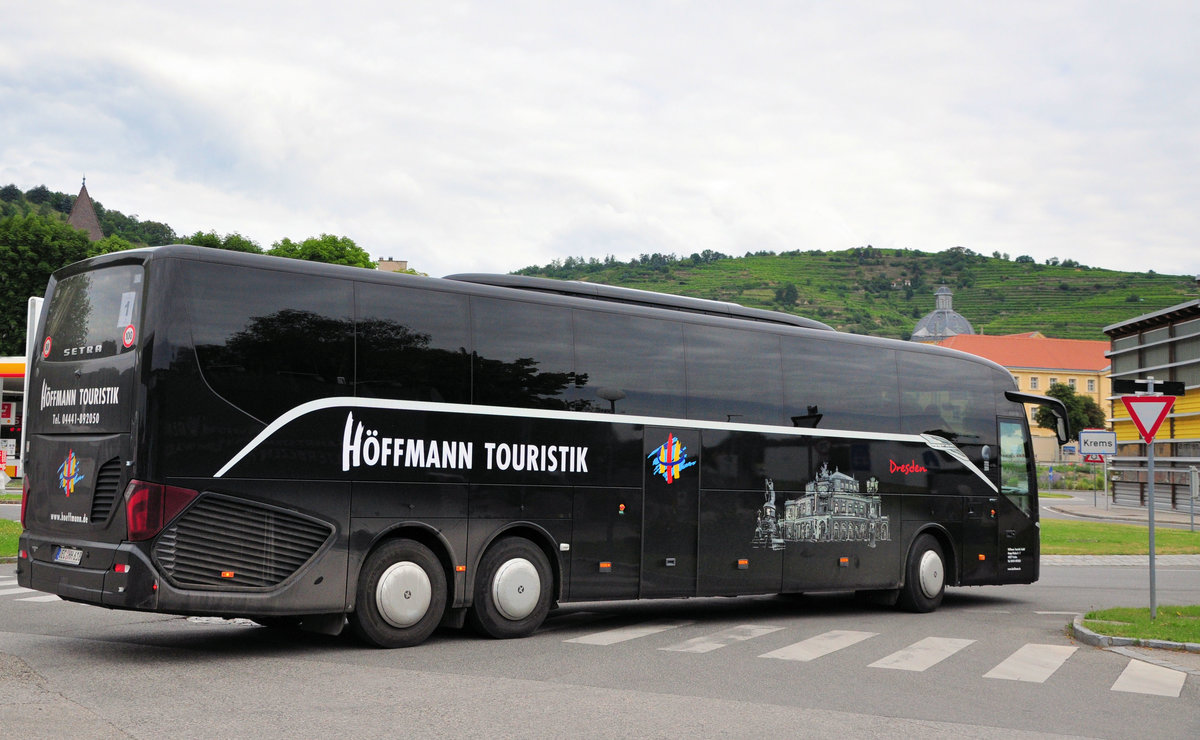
x: 1061, y: 429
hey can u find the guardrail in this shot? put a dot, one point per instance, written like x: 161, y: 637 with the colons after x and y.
x: 1175, y: 488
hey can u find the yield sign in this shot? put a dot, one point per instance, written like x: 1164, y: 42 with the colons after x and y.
x: 1148, y: 413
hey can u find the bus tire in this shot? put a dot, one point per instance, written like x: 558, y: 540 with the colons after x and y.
x: 924, y: 576
x: 513, y: 589
x: 401, y: 595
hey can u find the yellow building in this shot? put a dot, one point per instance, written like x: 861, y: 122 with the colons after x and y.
x: 1164, y: 345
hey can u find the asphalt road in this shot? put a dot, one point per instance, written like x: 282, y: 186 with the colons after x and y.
x: 992, y: 662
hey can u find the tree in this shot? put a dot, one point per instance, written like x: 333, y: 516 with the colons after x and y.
x: 335, y: 250
x: 108, y: 245
x: 787, y: 295
x: 234, y: 242
x: 156, y: 233
x: 31, y: 247
x: 10, y: 193
x: 39, y: 195
x: 1082, y: 411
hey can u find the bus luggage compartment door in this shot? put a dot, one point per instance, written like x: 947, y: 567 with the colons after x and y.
x: 672, y: 511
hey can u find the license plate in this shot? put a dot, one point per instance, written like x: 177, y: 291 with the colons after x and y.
x: 68, y: 555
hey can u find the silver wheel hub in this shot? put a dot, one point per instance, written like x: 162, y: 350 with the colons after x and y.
x: 516, y: 589
x: 403, y: 594
x: 931, y: 574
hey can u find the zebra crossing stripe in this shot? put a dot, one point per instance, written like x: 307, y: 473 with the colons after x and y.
x: 823, y: 644
x: 40, y: 599
x: 1140, y: 677
x: 923, y: 654
x: 621, y: 634
x: 17, y: 590
x: 708, y: 643
x: 1033, y: 663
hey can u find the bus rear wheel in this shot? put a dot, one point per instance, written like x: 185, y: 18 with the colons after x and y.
x: 924, y: 577
x: 401, y: 595
x: 513, y: 589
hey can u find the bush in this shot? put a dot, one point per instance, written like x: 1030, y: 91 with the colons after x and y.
x: 1071, y: 477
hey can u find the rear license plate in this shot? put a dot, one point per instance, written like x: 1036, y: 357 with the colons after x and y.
x: 68, y: 555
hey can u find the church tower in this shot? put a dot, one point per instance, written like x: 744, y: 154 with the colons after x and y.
x: 83, y: 215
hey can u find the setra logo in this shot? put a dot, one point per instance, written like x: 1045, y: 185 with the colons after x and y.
x: 670, y: 459
x: 68, y: 474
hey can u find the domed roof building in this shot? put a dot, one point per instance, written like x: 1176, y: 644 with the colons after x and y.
x: 942, y: 322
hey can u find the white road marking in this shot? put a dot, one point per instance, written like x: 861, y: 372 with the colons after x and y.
x: 621, y: 634
x: 708, y: 643
x: 40, y: 599
x: 17, y: 590
x: 823, y: 644
x: 1140, y: 677
x: 923, y: 654
x: 1033, y: 663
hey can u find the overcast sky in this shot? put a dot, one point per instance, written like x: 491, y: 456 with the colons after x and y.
x: 488, y: 136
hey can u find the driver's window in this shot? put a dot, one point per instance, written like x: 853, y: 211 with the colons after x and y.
x: 1015, y: 452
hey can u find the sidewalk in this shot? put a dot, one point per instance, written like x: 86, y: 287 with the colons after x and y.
x: 1081, y: 506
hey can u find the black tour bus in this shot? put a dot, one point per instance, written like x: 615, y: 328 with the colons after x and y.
x: 218, y: 433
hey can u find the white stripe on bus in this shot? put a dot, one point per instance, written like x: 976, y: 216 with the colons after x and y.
x: 936, y: 443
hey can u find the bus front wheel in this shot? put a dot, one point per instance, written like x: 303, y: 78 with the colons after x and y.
x: 513, y: 589
x: 401, y: 595
x: 924, y: 577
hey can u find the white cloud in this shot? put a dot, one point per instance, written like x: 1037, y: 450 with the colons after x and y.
x: 486, y: 137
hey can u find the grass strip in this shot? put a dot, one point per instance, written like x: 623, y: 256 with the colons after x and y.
x: 9, y: 532
x: 1063, y: 537
x: 1174, y: 623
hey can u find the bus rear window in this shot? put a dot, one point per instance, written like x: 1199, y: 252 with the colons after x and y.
x: 94, y: 315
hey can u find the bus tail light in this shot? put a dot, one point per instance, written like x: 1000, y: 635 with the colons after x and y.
x: 150, y: 506
x: 24, y: 498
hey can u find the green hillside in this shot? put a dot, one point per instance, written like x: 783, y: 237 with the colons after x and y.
x: 884, y: 292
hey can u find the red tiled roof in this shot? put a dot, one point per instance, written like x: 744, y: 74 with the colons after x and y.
x: 1033, y: 350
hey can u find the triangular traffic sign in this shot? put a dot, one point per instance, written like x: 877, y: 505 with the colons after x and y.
x: 1148, y: 413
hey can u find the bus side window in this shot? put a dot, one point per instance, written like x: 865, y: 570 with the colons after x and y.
x: 256, y: 329
x: 734, y: 375
x: 628, y: 365
x: 412, y: 344
x: 840, y: 385
x: 523, y: 354
x: 947, y: 396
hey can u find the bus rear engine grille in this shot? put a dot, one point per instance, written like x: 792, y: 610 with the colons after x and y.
x: 228, y: 543
x: 108, y: 483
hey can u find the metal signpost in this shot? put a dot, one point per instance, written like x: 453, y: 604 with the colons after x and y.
x: 1195, y: 480
x: 1096, y: 445
x: 1148, y: 412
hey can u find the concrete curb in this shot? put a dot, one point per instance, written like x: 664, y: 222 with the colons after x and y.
x: 1088, y: 637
